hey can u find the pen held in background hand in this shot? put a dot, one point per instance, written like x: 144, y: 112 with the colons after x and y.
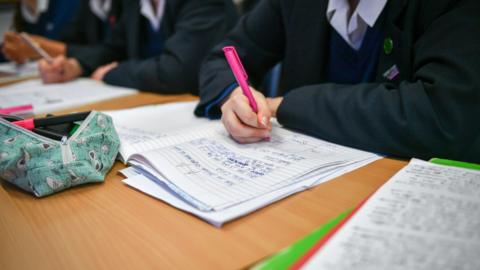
x: 32, y: 44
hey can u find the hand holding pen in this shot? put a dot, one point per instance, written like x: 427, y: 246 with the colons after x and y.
x: 245, y: 114
x: 35, y: 47
x: 60, y: 69
x: 16, y: 50
x: 51, y: 69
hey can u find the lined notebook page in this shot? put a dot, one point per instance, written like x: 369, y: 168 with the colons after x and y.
x: 217, y: 172
x: 139, y: 141
x: 426, y: 217
x: 151, y: 127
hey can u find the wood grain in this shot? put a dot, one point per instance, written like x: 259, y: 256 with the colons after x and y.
x: 111, y: 226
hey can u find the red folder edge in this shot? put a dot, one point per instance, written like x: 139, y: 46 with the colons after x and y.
x: 327, y: 237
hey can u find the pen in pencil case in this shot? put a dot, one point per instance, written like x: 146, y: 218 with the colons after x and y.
x: 10, y: 118
x: 50, y: 121
x: 61, y: 128
x: 52, y: 134
x: 49, y: 133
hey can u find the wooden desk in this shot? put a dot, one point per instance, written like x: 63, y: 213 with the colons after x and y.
x: 111, y: 226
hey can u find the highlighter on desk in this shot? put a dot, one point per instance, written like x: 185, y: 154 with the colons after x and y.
x: 16, y: 109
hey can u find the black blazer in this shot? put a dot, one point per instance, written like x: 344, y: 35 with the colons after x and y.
x: 191, y: 28
x: 431, y: 109
x: 85, y: 28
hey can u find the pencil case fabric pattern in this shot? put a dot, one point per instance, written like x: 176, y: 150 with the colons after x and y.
x: 44, y: 166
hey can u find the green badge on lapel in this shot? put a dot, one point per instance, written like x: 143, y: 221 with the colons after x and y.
x: 388, y: 46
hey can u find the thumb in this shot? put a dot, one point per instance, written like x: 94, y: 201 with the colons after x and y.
x: 113, y: 64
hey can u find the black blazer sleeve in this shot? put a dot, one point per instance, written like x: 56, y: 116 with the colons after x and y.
x: 113, y: 48
x: 86, y: 29
x: 75, y: 30
x: 260, y: 35
x: 199, y: 25
x: 435, y: 113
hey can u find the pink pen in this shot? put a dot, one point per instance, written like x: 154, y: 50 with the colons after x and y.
x: 15, y: 109
x: 240, y: 74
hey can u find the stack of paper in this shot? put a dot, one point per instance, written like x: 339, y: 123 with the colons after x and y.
x: 203, y: 171
x: 47, y: 98
x: 426, y: 217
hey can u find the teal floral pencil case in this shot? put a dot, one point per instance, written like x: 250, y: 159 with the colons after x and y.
x: 44, y: 166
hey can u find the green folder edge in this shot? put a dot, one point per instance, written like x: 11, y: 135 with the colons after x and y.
x: 288, y: 256
x: 455, y: 163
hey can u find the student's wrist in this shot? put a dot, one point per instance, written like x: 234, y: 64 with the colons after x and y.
x: 273, y: 104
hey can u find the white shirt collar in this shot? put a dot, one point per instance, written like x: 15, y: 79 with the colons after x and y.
x: 101, y: 8
x: 369, y: 11
x: 30, y: 15
x: 155, y: 18
x: 353, y: 30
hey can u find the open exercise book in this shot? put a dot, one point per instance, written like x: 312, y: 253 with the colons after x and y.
x: 193, y: 164
x: 47, y: 98
x: 426, y: 217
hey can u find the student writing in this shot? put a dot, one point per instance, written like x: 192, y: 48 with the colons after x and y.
x: 44, y: 20
x: 399, y: 77
x: 157, y: 46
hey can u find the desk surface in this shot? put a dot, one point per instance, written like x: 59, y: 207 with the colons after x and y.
x: 111, y: 226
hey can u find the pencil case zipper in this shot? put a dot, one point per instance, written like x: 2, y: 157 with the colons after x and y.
x: 67, y: 155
